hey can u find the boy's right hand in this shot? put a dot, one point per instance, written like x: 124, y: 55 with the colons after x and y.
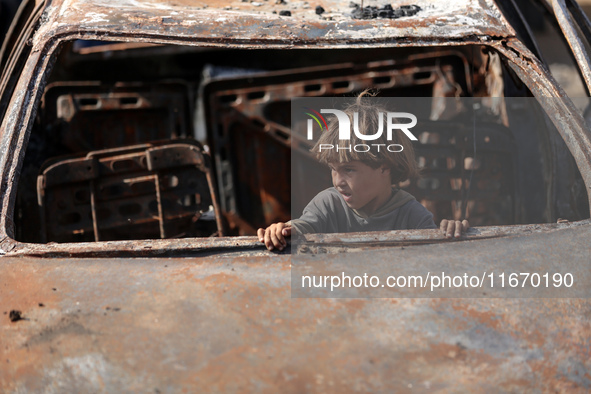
x: 454, y: 228
x: 274, y: 236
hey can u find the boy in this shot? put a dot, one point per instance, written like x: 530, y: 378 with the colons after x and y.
x: 362, y: 197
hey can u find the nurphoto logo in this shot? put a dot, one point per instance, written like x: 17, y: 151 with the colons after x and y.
x: 392, y: 124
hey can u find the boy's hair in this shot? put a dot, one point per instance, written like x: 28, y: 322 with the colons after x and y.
x: 402, y: 164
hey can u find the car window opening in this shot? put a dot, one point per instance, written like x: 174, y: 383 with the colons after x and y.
x: 136, y: 141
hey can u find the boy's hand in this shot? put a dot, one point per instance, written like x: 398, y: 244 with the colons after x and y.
x: 274, y: 236
x: 453, y: 227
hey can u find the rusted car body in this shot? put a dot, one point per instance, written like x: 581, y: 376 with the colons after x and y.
x: 84, y: 310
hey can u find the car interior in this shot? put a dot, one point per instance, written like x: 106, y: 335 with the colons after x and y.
x: 146, y: 141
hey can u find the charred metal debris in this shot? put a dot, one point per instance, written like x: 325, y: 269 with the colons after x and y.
x: 15, y: 316
x: 387, y: 11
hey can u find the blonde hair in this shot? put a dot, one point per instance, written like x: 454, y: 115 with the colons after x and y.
x: 402, y: 164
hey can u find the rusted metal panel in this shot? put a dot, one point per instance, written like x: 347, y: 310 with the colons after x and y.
x: 337, y: 243
x: 137, y: 192
x: 79, y: 112
x: 249, y: 245
x: 570, y: 33
x: 253, y: 23
x: 229, y: 324
x: 137, y: 113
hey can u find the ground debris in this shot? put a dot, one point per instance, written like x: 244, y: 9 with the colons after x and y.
x: 387, y: 11
x: 15, y: 316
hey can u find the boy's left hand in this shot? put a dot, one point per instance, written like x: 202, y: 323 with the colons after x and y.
x: 454, y: 227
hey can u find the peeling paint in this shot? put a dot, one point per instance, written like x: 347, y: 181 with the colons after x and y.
x: 94, y: 17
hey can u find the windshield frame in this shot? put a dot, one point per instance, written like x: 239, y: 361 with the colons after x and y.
x: 24, y: 102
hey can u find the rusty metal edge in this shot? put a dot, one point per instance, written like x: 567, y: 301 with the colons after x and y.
x: 208, y: 246
x: 567, y: 119
x: 577, y: 47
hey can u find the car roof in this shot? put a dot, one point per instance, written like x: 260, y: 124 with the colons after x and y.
x: 446, y: 22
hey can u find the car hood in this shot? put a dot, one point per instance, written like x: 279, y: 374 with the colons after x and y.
x: 229, y: 322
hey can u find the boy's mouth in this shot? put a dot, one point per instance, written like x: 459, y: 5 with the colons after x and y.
x: 346, y: 196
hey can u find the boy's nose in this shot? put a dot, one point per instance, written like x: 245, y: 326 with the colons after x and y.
x: 337, y: 180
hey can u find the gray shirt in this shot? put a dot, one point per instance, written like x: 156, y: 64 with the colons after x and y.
x: 329, y: 213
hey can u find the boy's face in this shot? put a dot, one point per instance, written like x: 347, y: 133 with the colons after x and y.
x: 362, y: 186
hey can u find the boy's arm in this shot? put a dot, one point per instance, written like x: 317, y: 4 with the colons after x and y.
x: 419, y: 217
x: 274, y: 236
x: 313, y: 220
x: 454, y: 227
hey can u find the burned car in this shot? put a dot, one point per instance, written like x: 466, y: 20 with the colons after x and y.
x: 143, y: 143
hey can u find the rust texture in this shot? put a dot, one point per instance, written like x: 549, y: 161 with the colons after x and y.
x: 311, y: 243
x: 81, y: 111
x: 255, y: 22
x: 141, y: 191
x: 251, y: 245
x: 228, y: 323
x: 568, y: 28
